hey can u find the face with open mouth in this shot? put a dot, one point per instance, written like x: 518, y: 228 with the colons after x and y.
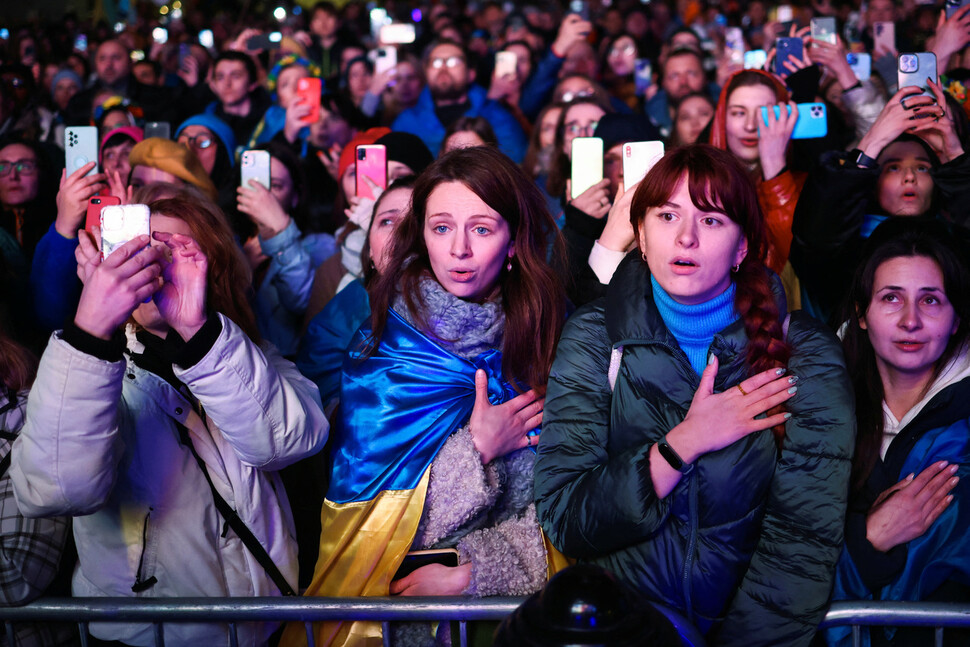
x: 909, y: 319
x: 468, y: 242
x: 690, y: 252
x: 905, y: 185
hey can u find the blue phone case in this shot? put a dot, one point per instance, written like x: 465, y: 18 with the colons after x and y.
x: 784, y: 47
x: 812, y: 120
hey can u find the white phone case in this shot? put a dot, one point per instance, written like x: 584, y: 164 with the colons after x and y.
x: 638, y: 159
x: 587, y: 166
x: 121, y: 223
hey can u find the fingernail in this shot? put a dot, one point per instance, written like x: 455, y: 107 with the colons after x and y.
x: 954, y: 468
x: 711, y: 358
x: 787, y: 416
x: 780, y: 371
x: 793, y: 389
x: 793, y: 379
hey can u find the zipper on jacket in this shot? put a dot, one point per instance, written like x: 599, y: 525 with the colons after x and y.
x: 686, y: 582
x: 140, y: 584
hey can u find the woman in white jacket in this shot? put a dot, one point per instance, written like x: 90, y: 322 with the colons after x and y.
x: 123, y: 417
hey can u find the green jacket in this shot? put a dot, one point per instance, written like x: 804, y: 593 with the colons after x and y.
x: 746, y: 544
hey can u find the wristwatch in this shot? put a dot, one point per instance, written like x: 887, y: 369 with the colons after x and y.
x: 861, y: 159
x: 672, y: 457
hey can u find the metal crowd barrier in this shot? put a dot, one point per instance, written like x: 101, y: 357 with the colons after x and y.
x: 451, y: 609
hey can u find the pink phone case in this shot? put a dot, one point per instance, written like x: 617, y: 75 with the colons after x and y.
x: 372, y: 163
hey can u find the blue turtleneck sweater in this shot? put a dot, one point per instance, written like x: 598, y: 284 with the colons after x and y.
x: 694, y: 326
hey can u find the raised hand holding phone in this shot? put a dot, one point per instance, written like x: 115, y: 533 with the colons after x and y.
x: 115, y: 286
x: 72, y: 198
x: 773, y: 138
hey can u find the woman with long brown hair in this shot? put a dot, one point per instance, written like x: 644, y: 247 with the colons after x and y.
x: 156, y: 408
x: 441, y: 397
x: 696, y: 441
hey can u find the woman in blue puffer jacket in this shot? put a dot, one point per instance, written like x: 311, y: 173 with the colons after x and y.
x: 656, y: 461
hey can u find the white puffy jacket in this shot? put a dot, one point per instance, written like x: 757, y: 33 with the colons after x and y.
x: 101, y: 443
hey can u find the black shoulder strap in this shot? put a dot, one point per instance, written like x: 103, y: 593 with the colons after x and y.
x: 237, y: 524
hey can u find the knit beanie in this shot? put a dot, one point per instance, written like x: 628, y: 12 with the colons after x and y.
x: 66, y: 74
x: 172, y: 157
x: 408, y: 149
x: 616, y: 129
x: 360, y: 139
x: 133, y: 132
x: 218, y: 127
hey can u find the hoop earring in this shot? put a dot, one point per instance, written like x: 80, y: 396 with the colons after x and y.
x: 643, y: 255
x: 735, y: 268
x: 508, y: 266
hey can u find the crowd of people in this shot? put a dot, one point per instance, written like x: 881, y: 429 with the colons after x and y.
x: 732, y: 390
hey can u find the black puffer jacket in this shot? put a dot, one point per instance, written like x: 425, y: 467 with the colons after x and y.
x: 746, y: 543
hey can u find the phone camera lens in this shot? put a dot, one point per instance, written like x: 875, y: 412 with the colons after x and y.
x: 361, y: 154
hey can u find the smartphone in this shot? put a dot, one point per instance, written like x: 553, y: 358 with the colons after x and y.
x: 506, y: 64
x: 4, y: 34
x: 823, y: 30
x: 812, y: 120
x: 587, y: 166
x: 755, y: 59
x: 418, y: 558
x: 783, y: 47
x: 95, y: 205
x: 915, y: 69
x: 206, y: 39
x: 371, y: 163
x: 309, y: 89
x: 884, y: 36
x: 734, y: 45
x: 184, y: 52
x: 642, y: 75
x: 397, y: 33
x: 158, y: 129
x: 80, y: 147
x: 254, y: 166
x: 638, y: 159
x: 580, y: 8
x: 121, y: 223
x: 378, y: 18
x: 383, y: 58
x: 264, y: 41
x: 952, y: 6
x: 861, y: 65
x: 81, y: 43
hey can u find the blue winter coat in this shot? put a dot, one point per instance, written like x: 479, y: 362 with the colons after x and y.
x: 422, y: 121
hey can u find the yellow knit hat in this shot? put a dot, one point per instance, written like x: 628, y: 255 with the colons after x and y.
x: 174, y: 158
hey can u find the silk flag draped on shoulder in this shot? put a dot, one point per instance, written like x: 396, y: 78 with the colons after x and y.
x: 398, y: 407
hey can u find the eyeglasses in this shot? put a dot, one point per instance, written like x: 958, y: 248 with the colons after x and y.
x: 575, y: 128
x: 196, y: 141
x: 22, y: 167
x: 625, y: 49
x: 451, y: 61
x: 578, y: 94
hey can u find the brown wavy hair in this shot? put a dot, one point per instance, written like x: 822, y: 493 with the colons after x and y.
x: 229, y: 279
x: 533, y: 297
x: 718, y: 182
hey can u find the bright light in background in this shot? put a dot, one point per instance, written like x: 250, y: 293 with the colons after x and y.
x: 279, y: 13
x: 275, y: 36
x: 119, y: 27
x: 176, y: 13
x: 176, y: 5
x: 163, y: 9
x: 160, y: 34
x: 416, y: 15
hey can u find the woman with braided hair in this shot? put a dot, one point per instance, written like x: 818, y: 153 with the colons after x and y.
x: 696, y: 441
